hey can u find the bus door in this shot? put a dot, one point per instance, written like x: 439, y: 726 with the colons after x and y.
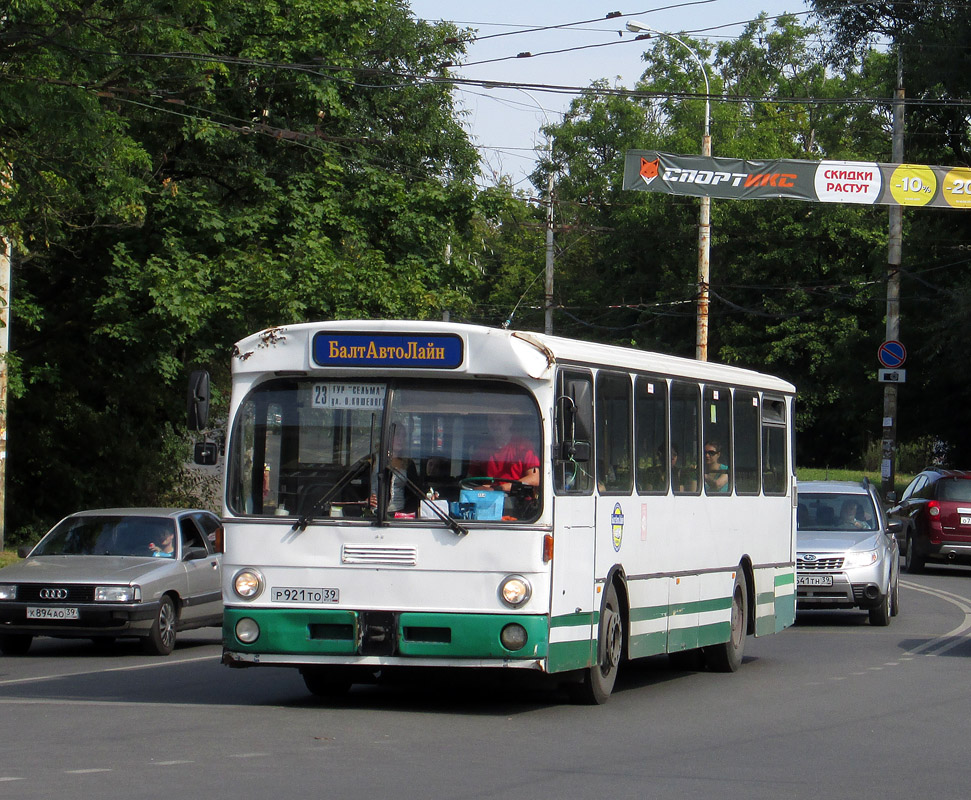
x: 573, y: 605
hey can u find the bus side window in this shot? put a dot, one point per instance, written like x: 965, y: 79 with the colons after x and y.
x: 651, y: 434
x: 718, y: 440
x: 572, y: 471
x: 613, y: 414
x: 747, y: 419
x: 685, y: 436
x: 774, y: 470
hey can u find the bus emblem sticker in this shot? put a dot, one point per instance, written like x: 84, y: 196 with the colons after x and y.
x: 617, y: 525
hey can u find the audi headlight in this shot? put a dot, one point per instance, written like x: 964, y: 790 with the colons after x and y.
x: 248, y: 583
x: 117, y: 594
x: 8, y: 591
x: 515, y: 591
x: 861, y: 559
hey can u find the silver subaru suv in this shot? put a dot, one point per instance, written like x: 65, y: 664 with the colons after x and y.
x: 846, y: 552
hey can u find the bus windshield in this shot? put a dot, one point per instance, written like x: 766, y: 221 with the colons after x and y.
x: 317, y: 448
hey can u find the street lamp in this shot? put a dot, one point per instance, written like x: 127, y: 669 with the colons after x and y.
x: 704, y: 215
x: 548, y: 293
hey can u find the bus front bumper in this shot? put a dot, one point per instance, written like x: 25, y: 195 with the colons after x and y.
x: 294, y: 636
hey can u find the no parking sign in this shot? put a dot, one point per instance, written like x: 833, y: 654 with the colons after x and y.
x: 892, y: 354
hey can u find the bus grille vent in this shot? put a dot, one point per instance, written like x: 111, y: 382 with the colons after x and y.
x: 371, y: 554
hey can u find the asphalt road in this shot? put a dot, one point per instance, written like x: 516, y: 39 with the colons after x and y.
x: 829, y: 708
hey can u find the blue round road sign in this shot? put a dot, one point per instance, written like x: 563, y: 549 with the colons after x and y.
x: 892, y: 354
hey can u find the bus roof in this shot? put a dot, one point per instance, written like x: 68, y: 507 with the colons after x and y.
x: 484, y: 351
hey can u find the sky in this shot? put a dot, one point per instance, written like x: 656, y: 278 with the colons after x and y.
x: 505, y: 123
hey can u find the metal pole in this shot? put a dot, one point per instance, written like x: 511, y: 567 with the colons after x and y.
x: 704, y: 263
x: 4, y: 349
x: 704, y: 212
x: 548, y: 288
x: 888, y: 467
x: 548, y: 315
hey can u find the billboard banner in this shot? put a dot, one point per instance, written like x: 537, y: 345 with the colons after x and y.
x: 863, y: 182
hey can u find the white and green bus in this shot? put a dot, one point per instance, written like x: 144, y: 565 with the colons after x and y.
x: 363, y: 532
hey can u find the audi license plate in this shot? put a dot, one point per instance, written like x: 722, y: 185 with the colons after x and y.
x: 299, y: 594
x: 814, y: 580
x: 51, y: 612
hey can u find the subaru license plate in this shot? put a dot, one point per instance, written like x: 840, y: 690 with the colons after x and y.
x: 814, y: 580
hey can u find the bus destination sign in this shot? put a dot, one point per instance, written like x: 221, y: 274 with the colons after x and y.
x: 387, y: 350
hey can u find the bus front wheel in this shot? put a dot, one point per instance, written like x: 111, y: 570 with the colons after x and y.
x: 598, y: 680
x: 326, y: 681
x: 727, y: 657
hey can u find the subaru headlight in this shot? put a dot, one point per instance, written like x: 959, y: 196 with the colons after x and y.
x: 117, y: 594
x: 861, y: 559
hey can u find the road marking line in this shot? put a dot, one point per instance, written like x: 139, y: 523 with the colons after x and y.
x: 131, y: 668
x: 951, y: 639
x: 86, y: 771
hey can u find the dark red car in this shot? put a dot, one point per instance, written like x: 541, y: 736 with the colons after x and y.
x: 936, y: 511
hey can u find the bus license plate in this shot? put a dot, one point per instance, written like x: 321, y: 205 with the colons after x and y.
x: 814, y: 580
x: 299, y: 594
x: 45, y: 612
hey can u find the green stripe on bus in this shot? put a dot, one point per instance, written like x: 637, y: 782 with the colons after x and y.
x: 335, y: 632
x: 785, y: 578
x: 570, y: 655
x: 576, y: 620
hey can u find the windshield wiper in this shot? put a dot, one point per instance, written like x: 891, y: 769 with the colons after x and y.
x: 458, y: 530
x: 352, y: 472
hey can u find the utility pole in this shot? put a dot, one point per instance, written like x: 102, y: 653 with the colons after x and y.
x: 888, y: 466
x: 548, y: 316
x: 4, y: 349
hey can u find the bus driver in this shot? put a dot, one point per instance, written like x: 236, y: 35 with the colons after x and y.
x: 505, y: 457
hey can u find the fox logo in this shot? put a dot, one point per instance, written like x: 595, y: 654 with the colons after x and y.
x: 649, y: 169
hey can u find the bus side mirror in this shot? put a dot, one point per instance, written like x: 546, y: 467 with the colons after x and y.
x: 574, y: 451
x: 197, y: 416
x: 206, y: 454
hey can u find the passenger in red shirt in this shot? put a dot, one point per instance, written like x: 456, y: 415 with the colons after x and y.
x: 505, y: 457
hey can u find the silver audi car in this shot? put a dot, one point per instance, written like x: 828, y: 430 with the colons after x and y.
x: 112, y: 573
x: 847, y: 554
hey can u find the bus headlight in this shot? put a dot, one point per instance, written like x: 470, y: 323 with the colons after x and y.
x: 247, y: 631
x: 248, y: 583
x: 515, y: 591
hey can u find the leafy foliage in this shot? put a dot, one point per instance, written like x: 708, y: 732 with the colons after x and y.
x: 185, y: 173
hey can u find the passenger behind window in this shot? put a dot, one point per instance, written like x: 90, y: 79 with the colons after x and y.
x: 402, y: 477
x: 685, y: 478
x: 716, y: 473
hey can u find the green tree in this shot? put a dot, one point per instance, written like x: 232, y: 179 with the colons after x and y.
x: 807, y: 313
x: 217, y: 168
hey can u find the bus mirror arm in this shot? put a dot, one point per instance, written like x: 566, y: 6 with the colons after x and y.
x: 352, y: 472
x: 452, y: 525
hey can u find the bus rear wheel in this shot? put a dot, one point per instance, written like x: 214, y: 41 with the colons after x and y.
x: 727, y: 657
x: 598, y: 680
